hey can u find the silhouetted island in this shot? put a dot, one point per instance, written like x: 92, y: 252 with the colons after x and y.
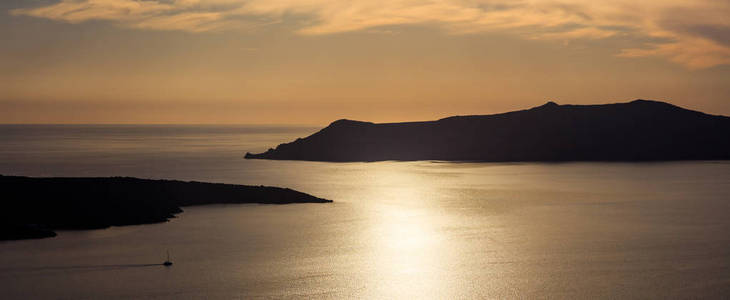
x: 34, y: 207
x: 640, y: 130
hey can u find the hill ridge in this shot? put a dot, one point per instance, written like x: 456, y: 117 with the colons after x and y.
x: 640, y: 130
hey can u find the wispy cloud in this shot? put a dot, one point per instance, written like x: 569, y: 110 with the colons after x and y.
x: 694, y: 33
x: 114, y: 10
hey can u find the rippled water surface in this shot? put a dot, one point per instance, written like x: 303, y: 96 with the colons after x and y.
x: 396, y: 229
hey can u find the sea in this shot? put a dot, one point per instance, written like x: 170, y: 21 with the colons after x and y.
x: 396, y: 230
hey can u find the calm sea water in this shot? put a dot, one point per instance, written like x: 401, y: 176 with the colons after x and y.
x: 404, y: 230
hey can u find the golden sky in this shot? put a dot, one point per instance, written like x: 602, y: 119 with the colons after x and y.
x: 314, y: 61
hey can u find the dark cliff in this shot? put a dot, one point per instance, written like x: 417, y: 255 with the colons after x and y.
x: 640, y: 130
x: 33, y: 207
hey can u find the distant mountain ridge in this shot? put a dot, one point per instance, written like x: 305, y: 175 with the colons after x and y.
x: 640, y: 130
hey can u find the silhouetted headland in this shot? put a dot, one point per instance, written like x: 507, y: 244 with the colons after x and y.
x: 34, y: 207
x: 640, y: 130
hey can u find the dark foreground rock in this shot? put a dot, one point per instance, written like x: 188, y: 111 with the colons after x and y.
x: 34, y: 207
x: 640, y: 130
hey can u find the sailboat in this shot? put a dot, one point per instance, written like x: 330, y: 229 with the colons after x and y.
x: 167, y: 262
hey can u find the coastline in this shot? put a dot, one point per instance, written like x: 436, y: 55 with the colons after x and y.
x: 34, y: 207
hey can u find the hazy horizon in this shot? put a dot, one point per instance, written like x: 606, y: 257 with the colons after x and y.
x: 264, y: 124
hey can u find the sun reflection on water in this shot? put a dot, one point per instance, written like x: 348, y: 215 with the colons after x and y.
x: 406, y: 251
x: 406, y: 247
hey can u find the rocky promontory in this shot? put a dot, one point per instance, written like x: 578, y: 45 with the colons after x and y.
x: 34, y: 207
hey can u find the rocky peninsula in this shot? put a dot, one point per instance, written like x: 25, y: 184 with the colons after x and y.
x: 34, y: 207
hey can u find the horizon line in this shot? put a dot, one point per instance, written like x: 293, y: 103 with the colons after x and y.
x: 166, y: 124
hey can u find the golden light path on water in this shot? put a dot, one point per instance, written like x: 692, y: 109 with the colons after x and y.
x: 413, y: 241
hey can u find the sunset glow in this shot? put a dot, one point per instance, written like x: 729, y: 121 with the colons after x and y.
x: 314, y: 61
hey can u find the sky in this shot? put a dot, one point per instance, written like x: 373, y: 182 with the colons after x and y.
x: 315, y: 61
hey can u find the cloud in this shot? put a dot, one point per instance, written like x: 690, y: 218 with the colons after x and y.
x: 694, y: 33
x: 695, y: 53
x: 114, y: 10
x: 189, y: 21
